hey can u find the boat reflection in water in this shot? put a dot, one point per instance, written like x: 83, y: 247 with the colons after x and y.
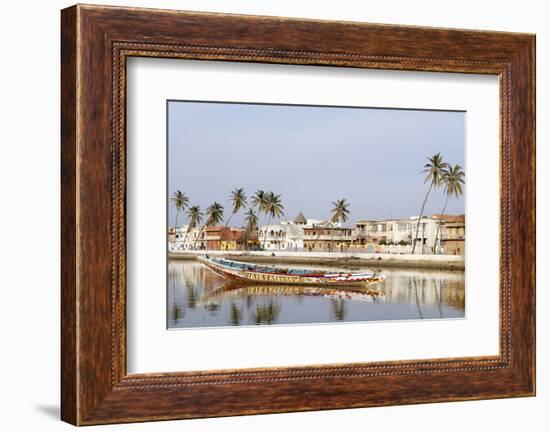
x: 197, y: 297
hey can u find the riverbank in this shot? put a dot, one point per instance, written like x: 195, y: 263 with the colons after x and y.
x: 350, y: 260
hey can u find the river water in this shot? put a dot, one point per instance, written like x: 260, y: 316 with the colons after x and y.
x: 197, y: 297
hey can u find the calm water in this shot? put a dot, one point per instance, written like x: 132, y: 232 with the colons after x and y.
x: 197, y: 297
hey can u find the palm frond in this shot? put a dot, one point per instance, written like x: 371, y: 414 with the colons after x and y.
x: 179, y: 200
x: 434, y: 170
x: 238, y: 199
x: 215, y: 214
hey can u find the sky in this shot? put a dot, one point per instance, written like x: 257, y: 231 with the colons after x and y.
x: 312, y: 156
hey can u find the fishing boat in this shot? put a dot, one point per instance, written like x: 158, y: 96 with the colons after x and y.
x: 252, y: 273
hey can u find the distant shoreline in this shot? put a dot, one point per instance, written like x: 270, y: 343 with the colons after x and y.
x: 433, y: 262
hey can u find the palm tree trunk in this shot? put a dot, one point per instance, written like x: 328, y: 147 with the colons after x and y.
x: 229, y: 219
x: 247, y: 232
x: 315, y: 240
x: 186, y: 233
x: 440, y: 222
x: 420, y: 216
x: 199, y: 235
x: 267, y: 227
x: 177, y: 215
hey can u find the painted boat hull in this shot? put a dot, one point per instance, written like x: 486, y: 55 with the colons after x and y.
x: 334, y: 279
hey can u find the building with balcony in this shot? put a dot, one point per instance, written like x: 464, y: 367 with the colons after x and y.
x: 182, y: 239
x: 288, y: 235
x: 224, y: 238
x: 327, y: 237
x: 368, y: 233
x: 455, y: 236
x: 283, y: 236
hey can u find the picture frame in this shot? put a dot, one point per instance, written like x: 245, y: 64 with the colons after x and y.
x: 96, y: 42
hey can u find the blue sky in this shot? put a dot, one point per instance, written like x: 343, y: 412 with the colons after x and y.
x: 312, y: 156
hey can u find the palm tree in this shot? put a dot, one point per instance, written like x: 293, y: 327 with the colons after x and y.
x: 251, y: 224
x: 180, y: 201
x: 273, y: 207
x: 453, y: 179
x: 215, y: 216
x: 259, y: 201
x: 195, y: 217
x: 238, y: 198
x: 340, y: 212
x: 434, y: 170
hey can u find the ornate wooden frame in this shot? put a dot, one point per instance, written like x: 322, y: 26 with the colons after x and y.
x: 96, y: 41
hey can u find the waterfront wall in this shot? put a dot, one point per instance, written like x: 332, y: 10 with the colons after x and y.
x: 428, y: 261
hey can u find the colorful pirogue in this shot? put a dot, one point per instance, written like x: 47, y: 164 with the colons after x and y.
x: 252, y: 273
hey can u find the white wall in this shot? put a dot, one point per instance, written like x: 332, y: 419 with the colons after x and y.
x: 29, y: 178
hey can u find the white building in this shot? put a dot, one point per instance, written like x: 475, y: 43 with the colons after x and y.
x: 398, y: 231
x: 282, y: 237
x: 179, y: 239
x: 288, y: 235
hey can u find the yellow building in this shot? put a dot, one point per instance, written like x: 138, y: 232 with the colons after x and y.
x: 228, y: 245
x: 231, y: 239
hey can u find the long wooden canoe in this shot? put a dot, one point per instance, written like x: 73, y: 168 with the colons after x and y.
x: 253, y: 273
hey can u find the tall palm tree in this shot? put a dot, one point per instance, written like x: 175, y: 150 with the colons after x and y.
x: 215, y: 216
x: 340, y: 211
x: 434, y: 170
x: 195, y: 217
x: 251, y: 219
x: 274, y: 208
x: 238, y: 199
x: 258, y: 201
x: 180, y: 201
x: 453, y: 180
x: 251, y: 224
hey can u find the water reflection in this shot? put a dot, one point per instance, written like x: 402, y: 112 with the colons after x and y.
x: 199, y: 298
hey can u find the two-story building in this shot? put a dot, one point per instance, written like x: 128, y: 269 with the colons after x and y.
x: 232, y: 239
x: 455, y: 236
x: 327, y: 237
x: 224, y: 238
x: 398, y: 232
x: 183, y: 239
x: 287, y: 235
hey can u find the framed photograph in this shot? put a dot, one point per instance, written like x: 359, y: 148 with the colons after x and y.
x: 263, y: 214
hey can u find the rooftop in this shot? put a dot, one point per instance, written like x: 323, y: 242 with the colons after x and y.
x: 449, y: 218
x: 300, y: 219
